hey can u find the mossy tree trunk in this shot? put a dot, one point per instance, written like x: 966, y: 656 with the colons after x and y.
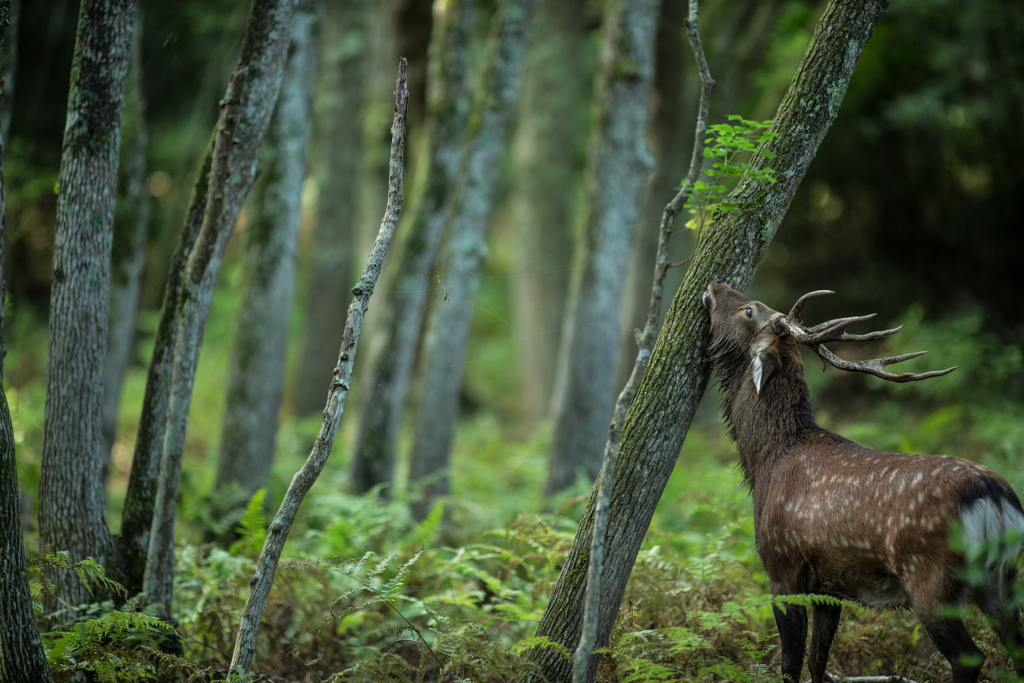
x: 216, y: 204
x: 71, y: 516
x: 386, y: 388
x: 336, y: 159
x: 548, y: 156
x: 256, y: 371
x: 131, y: 224
x: 616, y: 171
x: 468, y: 211
x: 732, y: 246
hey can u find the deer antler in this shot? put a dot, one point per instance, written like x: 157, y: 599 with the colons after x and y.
x: 835, y: 330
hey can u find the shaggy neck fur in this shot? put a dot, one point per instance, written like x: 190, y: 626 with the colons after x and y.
x: 764, y: 425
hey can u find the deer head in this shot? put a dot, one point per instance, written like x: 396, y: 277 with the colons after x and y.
x: 743, y: 327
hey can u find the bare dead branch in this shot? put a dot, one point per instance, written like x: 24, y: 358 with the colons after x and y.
x: 263, y: 578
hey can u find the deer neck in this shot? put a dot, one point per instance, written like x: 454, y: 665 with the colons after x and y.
x: 766, y: 425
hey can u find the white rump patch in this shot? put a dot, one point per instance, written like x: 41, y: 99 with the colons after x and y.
x: 993, y: 531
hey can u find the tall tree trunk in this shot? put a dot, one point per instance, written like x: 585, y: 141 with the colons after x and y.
x: 548, y: 163
x: 131, y: 223
x: 8, y: 57
x: 468, y: 211
x: 22, y: 658
x: 71, y: 483
x: 336, y: 157
x: 730, y: 250
x: 256, y: 372
x: 387, y: 384
x: 232, y: 168
x: 584, y: 389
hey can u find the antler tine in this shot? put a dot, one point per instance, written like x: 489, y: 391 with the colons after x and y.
x: 835, y: 330
x: 876, y: 366
x: 799, y: 305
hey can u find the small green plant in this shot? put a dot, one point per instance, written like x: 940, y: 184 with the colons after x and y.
x: 727, y: 143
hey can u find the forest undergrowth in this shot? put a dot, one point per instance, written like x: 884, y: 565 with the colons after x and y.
x: 366, y: 593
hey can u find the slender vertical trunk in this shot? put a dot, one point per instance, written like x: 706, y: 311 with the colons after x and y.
x: 388, y: 378
x: 671, y: 123
x: 232, y: 168
x: 468, y: 212
x: 71, y: 484
x: 8, y: 57
x: 8, y: 62
x: 584, y: 389
x: 131, y: 222
x: 677, y: 375
x: 548, y: 162
x: 336, y: 157
x: 256, y: 371
x: 22, y: 658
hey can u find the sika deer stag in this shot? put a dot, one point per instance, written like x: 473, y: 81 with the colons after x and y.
x: 835, y: 518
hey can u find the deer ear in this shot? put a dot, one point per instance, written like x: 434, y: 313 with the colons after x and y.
x: 764, y: 363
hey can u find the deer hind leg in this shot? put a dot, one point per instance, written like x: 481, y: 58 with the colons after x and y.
x: 826, y: 620
x: 792, y: 625
x: 1005, y: 620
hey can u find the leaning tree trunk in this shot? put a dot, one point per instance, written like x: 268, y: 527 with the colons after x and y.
x: 131, y: 222
x: 584, y: 386
x: 232, y: 167
x: 467, y: 214
x: 387, y: 385
x: 730, y: 250
x: 548, y: 161
x: 336, y: 156
x: 256, y: 371
x: 71, y: 483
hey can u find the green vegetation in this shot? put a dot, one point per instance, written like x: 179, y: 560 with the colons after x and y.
x: 363, y: 590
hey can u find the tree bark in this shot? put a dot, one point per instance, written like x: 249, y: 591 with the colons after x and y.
x: 266, y: 566
x: 386, y: 388
x: 256, y: 371
x: 548, y: 158
x: 584, y: 389
x: 71, y: 514
x: 131, y: 223
x: 231, y: 175
x: 22, y: 658
x: 733, y: 245
x: 467, y: 214
x: 336, y: 157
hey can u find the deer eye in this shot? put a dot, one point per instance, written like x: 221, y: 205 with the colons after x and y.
x: 749, y: 311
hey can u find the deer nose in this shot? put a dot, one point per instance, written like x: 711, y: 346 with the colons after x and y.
x: 706, y: 299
